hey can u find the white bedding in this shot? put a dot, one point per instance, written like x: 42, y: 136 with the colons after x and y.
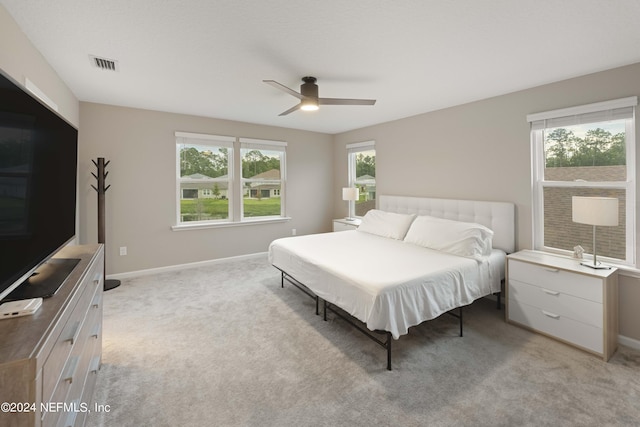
x: 388, y: 284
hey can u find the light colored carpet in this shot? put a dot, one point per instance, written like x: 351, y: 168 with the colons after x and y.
x: 224, y: 345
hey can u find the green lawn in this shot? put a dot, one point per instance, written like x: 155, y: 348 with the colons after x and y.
x: 211, y: 209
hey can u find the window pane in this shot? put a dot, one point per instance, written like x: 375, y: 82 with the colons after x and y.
x: 260, y: 164
x: 365, y: 180
x: 261, y: 199
x: 204, y: 182
x: 261, y: 182
x: 588, y: 152
x: 561, y: 232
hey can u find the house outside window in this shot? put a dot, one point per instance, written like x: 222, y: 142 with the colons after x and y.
x: 225, y: 179
x: 584, y: 151
x: 362, y: 174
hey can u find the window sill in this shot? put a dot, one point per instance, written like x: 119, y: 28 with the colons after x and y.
x: 200, y: 226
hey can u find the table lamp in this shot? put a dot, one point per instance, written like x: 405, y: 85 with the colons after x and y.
x: 350, y: 194
x: 595, y: 211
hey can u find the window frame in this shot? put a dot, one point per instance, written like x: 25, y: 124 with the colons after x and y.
x: 234, y: 179
x: 591, y: 113
x: 261, y: 144
x: 218, y: 141
x: 352, y: 150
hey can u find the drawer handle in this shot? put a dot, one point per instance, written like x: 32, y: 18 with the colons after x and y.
x: 553, y: 316
x: 548, y: 292
x: 97, y: 278
x: 96, y: 331
x: 552, y: 270
x: 76, y: 331
x: 96, y: 301
x: 95, y: 364
x: 71, y: 369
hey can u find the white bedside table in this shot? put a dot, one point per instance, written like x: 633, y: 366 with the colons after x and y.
x: 562, y: 299
x: 345, y: 225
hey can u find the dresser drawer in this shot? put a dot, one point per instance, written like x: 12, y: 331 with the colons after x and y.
x: 57, y: 363
x: 554, y: 279
x: 565, y: 328
x: 556, y: 302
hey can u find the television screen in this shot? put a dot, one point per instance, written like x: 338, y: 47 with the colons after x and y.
x: 38, y: 167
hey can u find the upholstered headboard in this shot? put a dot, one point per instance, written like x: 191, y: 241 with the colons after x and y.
x: 498, y: 216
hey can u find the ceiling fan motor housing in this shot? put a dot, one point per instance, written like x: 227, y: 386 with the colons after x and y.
x: 309, y: 88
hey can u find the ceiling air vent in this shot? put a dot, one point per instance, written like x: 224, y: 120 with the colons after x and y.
x: 104, y: 63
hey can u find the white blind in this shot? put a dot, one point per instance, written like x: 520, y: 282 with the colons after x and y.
x: 598, y: 112
x: 262, y: 144
x: 201, y: 138
x: 361, y: 146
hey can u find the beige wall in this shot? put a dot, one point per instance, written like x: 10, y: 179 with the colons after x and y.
x: 141, y: 203
x: 20, y: 60
x: 481, y: 151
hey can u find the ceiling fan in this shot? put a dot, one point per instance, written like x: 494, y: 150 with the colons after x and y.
x: 308, y: 96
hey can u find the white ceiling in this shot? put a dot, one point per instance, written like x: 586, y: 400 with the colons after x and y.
x: 209, y: 57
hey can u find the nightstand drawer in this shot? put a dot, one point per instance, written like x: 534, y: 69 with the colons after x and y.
x: 578, y: 309
x: 345, y: 225
x: 558, y: 280
x: 556, y: 325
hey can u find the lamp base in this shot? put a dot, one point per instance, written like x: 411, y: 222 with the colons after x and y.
x: 597, y: 266
x: 349, y: 219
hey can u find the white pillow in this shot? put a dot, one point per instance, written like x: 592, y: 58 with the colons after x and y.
x: 386, y: 224
x: 466, y: 239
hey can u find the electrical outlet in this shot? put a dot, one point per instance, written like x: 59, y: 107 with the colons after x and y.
x: 123, y: 250
x: 293, y: 231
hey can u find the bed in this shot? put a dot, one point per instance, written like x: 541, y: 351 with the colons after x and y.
x: 411, y: 260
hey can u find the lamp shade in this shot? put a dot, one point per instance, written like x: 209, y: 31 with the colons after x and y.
x: 350, y: 193
x: 595, y: 210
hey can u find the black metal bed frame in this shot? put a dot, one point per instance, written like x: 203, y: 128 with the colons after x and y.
x: 386, y: 344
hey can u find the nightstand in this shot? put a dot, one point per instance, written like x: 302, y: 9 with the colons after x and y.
x: 559, y: 298
x: 345, y: 224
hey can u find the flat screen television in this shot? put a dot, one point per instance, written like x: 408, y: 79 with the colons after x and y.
x: 38, y: 169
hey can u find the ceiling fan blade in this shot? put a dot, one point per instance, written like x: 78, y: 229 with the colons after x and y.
x: 343, y: 101
x: 291, y: 110
x: 283, y: 87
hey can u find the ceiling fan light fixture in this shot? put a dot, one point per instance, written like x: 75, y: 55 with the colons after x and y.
x: 309, y: 104
x: 309, y: 99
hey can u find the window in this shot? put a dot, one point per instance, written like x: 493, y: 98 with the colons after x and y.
x: 262, y: 178
x: 362, y: 174
x: 584, y: 151
x: 210, y: 191
x: 204, y: 180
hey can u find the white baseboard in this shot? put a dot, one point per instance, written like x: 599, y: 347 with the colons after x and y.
x: 177, y: 267
x: 629, y: 342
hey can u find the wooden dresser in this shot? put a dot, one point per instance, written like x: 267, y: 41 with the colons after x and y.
x: 560, y: 298
x: 49, y: 360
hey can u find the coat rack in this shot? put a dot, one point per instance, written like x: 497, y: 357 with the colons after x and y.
x: 101, y: 189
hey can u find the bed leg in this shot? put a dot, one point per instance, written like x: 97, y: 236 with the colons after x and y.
x: 317, y: 302
x: 282, y: 279
x: 460, y: 321
x: 388, y: 351
x: 324, y: 308
x: 499, y: 307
